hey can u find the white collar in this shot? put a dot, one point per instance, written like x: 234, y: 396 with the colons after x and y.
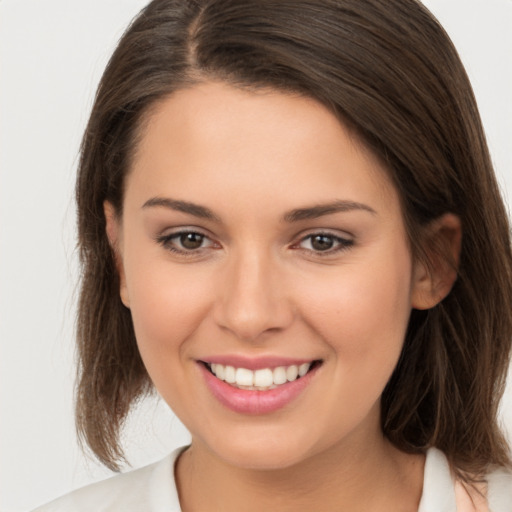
x: 438, y: 484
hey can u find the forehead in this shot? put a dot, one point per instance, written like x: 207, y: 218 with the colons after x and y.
x: 215, y: 141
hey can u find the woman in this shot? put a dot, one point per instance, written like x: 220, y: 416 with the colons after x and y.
x: 290, y: 228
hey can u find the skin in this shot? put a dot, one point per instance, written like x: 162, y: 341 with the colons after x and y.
x: 257, y: 286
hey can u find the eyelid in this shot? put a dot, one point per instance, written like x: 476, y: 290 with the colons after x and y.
x: 344, y: 242
x: 165, y: 240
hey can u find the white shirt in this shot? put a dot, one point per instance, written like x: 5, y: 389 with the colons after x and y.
x: 153, y: 489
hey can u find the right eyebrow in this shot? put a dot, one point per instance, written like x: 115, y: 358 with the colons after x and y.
x: 314, y: 212
x: 182, y: 206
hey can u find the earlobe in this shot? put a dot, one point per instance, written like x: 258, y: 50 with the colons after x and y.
x: 113, y: 230
x: 433, y: 279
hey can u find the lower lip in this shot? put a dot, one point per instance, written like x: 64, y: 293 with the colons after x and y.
x: 247, y: 401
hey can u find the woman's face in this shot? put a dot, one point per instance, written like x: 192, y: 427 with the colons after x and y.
x: 258, y: 234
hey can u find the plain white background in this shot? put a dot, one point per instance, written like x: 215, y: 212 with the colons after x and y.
x: 52, y: 54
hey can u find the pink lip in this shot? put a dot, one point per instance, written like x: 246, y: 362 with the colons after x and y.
x: 254, y: 402
x: 254, y: 363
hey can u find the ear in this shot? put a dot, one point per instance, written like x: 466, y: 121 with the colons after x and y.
x: 433, y: 279
x: 113, y: 230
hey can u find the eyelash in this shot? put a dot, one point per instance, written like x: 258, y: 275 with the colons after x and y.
x: 168, y: 242
x: 340, y: 244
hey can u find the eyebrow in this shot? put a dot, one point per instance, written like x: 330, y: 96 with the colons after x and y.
x: 182, y: 206
x: 296, y: 215
x: 314, y: 212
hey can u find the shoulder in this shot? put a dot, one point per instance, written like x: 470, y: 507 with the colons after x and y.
x: 493, y: 495
x: 151, y: 488
x: 499, y: 490
x: 443, y: 493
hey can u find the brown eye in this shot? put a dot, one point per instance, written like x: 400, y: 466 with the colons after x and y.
x: 322, y: 242
x: 186, y: 243
x: 191, y: 241
x: 325, y: 243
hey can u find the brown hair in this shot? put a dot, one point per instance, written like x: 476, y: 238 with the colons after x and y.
x: 390, y: 72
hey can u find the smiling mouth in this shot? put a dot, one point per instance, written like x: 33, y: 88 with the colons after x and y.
x: 263, y: 379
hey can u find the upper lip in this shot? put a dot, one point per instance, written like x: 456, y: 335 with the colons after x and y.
x: 255, y: 363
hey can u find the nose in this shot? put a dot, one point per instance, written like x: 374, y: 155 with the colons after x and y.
x: 252, y: 297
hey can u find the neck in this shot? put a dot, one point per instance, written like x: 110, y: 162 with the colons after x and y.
x: 350, y: 476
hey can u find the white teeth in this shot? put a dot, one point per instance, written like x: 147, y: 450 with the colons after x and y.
x: 229, y: 374
x: 220, y: 372
x: 291, y: 373
x: 279, y: 375
x: 303, y: 369
x: 244, y: 377
x: 263, y: 379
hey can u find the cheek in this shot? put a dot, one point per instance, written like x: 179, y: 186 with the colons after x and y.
x: 362, y: 317
x: 363, y: 312
x: 167, y: 305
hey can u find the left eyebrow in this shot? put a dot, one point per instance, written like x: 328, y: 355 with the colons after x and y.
x: 313, y: 212
x: 182, y: 206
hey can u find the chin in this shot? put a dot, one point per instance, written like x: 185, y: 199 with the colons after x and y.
x: 263, y: 460
x: 263, y: 452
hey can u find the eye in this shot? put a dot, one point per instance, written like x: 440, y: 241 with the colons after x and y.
x: 185, y: 242
x: 191, y: 241
x: 324, y: 243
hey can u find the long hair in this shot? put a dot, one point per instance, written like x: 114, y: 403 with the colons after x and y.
x: 389, y: 71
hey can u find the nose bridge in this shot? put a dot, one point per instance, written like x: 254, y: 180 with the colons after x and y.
x: 252, y: 299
